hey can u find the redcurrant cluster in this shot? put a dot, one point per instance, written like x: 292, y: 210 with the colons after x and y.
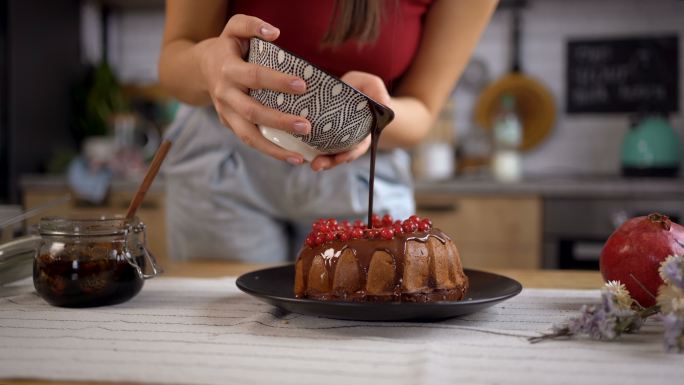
x: 328, y: 230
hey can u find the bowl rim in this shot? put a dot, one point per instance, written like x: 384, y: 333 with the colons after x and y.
x: 344, y: 84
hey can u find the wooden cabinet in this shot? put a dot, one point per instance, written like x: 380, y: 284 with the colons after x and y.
x: 152, y: 211
x: 490, y: 232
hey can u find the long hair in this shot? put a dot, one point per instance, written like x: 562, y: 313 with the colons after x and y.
x: 354, y: 19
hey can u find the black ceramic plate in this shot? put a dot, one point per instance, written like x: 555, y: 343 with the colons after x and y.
x: 274, y: 286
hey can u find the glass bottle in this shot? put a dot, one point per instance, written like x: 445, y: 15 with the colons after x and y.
x: 507, y: 133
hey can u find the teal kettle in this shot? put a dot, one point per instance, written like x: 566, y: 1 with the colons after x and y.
x: 651, y: 148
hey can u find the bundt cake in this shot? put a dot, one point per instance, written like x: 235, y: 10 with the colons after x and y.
x: 405, y: 261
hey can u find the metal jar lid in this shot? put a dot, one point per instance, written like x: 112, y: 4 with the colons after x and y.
x: 103, y: 226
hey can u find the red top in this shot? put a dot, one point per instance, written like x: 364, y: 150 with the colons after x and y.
x: 303, y: 24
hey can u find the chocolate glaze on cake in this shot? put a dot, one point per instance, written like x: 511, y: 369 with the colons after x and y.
x: 402, y: 264
x: 415, y: 267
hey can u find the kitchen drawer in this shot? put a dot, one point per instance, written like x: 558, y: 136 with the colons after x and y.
x: 490, y: 232
x: 152, y: 212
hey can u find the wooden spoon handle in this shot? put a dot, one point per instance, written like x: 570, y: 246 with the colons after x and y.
x: 149, y: 178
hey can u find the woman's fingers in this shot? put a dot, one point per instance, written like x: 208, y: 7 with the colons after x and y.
x: 254, y: 76
x: 250, y: 135
x: 232, y: 76
x: 243, y: 26
x: 322, y: 162
x: 354, y: 153
x: 326, y: 162
x: 369, y: 84
x: 254, y: 112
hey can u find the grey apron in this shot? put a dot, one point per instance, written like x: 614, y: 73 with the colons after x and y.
x: 228, y: 201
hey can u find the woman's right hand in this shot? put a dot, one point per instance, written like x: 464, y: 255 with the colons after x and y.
x: 229, y: 77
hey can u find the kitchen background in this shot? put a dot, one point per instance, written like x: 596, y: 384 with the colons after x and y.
x: 578, y: 144
x: 571, y: 195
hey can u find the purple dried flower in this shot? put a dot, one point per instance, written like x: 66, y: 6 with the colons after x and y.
x: 672, y: 271
x: 606, y: 327
x: 671, y: 300
x: 601, y: 323
x: 604, y: 321
x: 674, y: 333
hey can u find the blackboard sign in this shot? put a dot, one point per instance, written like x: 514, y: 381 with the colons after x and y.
x: 623, y: 75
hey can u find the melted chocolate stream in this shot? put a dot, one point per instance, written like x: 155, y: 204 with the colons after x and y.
x: 382, y: 116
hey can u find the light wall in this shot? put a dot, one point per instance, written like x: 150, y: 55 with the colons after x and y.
x: 587, y: 143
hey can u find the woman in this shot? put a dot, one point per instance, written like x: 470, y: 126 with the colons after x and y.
x: 232, y: 193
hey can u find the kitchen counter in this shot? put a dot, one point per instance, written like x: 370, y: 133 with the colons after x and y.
x: 59, y: 182
x: 559, y: 187
x: 543, y: 186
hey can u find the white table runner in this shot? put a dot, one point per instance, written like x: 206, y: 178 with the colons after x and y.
x: 205, y: 331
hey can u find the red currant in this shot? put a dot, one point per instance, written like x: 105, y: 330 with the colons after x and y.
x: 332, y: 223
x: 357, y: 233
x: 372, y: 233
x: 424, y: 225
x: 409, y: 226
x: 330, y: 236
x: 387, y: 233
x: 397, y: 228
x: 387, y: 220
x: 359, y: 224
x: 376, y: 221
x: 414, y: 218
x: 311, y: 240
x: 320, y: 239
x: 345, y: 235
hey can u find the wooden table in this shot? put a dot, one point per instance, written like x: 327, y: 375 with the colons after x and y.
x: 548, y: 279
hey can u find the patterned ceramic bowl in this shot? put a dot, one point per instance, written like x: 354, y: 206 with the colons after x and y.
x: 340, y: 115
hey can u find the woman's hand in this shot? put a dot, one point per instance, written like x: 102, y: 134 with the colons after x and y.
x: 372, y: 86
x: 229, y: 77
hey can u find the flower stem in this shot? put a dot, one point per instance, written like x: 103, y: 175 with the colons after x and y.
x: 564, y: 332
x: 648, y: 311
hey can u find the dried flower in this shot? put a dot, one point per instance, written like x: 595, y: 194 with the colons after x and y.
x: 618, y: 313
x: 674, y: 332
x: 618, y: 294
x: 671, y: 300
x: 606, y: 321
x: 672, y: 271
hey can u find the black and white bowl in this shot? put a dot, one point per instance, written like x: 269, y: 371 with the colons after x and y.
x: 340, y: 115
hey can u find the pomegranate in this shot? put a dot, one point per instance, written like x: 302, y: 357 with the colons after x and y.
x: 633, y: 253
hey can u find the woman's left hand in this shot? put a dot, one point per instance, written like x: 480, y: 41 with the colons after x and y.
x: 372, y: 86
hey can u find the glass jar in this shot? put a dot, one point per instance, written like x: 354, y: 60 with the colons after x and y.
x: 91, y: 262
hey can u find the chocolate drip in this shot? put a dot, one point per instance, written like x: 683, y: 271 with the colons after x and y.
x: 363, y: 250
x: 382, y: 116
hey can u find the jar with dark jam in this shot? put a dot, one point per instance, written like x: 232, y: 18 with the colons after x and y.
x: 91, y: 262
